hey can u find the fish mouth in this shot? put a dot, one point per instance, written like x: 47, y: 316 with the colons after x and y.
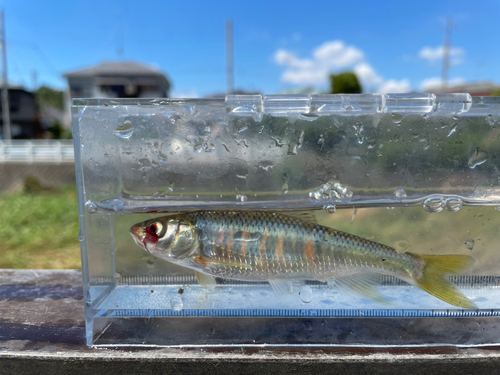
x: 142, y: 239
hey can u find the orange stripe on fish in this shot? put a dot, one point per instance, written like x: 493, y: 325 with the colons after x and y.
x: 221, y: 236
x: 309, y: 251
x: 244, y: 244
x: 229, y: 243
x: 279, y: 246
x: 262, y: 249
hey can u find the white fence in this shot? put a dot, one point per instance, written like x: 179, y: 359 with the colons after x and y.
x: 56, y: 151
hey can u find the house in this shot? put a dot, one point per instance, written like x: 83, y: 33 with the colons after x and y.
x: 115, y: 79
x: 24, y: 117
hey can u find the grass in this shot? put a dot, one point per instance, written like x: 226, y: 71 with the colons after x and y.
x: 39, y: 228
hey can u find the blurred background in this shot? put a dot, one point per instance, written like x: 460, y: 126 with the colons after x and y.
x: 55, y: 51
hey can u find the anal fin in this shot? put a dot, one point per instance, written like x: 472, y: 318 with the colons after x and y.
x: 364, y: 284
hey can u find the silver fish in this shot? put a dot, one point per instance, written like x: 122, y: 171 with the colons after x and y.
x: 282, y: 247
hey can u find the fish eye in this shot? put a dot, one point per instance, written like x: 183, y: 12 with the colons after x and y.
x: 154, y: 228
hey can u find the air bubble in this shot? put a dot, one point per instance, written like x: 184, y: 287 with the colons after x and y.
x: 177, y: 304
x: 117, y: 276
x: 469, y: 244
x: 242, y: 198
x: 91, y: 207
x: 453, y: 204
x: 433, y: 204
x: 306, y: 294
x: 400, y: 193
x: 331, y: 284
x: 331, y: 208
x: 125, y: 130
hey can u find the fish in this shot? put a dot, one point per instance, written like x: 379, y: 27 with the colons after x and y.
x: 284, y: 248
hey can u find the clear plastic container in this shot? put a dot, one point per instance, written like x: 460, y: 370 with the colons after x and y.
x: 416, y: 172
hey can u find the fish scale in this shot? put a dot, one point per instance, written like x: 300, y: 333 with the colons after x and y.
x: 302, y: 251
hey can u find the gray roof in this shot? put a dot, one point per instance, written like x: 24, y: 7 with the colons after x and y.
x: 114, y: 68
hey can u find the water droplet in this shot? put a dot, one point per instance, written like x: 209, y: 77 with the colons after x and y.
x: 453, y: 204
x: 91, y: 207
x: 469, y: 244
x: 177, y: 304
x: 358, y: 131
x: 306, y: 294
x: 242, y: 128
x: 81, y: 236
x: 207, y: 131
x: 150, y: 263
x: 400, y: 193
x: 478, y: 157
x: 162, y: 158
x: 242, y: 198
x: 490, y: 120
x: 125, y: 130
x: 453, y: 129
x: 284, y: 188
x: 397, y: 118
x: 277, y: 142
x: 330, y: 208
x: 266, y: 165
x: 117, y: 276
x: 293, y: 149
x: 433, y: 204
x: 331, y: 284
x: 321, y: 140
x: 497, y: 208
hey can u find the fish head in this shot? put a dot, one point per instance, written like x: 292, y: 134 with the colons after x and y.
x: 166, y: 238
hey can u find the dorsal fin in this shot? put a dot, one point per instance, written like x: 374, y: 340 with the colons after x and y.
x: 308, y: 217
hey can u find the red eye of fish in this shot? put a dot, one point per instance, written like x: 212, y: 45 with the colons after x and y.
x: 153, y: 229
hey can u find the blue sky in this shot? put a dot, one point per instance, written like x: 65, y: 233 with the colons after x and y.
x: 279, y: 46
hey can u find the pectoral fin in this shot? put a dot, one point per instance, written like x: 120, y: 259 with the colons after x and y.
x: 206, y: 280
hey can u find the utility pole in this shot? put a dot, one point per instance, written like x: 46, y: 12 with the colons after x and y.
x: 34, y: 80
x: 229, y: 57
x: 5, y: 84
x: 446, y: 52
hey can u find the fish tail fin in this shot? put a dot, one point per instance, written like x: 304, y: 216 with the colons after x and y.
x: 433, y: 278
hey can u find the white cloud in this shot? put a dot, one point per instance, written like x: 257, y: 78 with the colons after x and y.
x: 436, y: 82
x: 434, y: 54
x: 329, y: 56
x: 367, y: 75
x: 334, y: 56
x: 395, y: 87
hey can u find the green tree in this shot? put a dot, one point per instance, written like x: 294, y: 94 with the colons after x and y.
x: 47, y: 97
x: 345, y: 83
x: 495, y: 92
